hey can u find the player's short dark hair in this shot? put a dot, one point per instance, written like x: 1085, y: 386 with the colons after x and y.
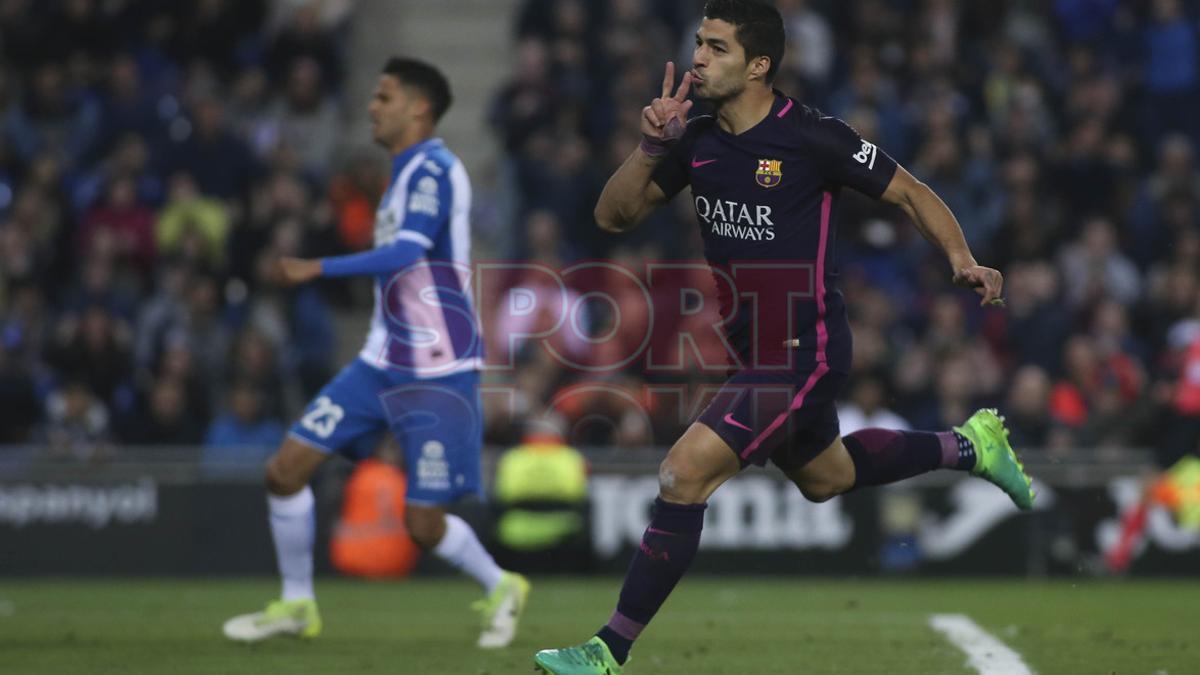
x: 424, y: 78
x: 759, y: 28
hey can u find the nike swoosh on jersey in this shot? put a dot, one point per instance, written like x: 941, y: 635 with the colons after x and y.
x: 696, y: 163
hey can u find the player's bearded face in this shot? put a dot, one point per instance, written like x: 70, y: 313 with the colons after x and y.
x: 719, y: 66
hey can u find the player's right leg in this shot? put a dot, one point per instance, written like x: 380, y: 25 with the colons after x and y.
x: 698, y: 463
x: 292, y: 520
x: 344, y: 412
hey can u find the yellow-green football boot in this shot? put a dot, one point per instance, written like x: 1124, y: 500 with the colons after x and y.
x: 995, y: 460
x: 281, y: 617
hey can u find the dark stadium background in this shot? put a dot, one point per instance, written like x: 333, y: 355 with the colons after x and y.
x: 155, y: 156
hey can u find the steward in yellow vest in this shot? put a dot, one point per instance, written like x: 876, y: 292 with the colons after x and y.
x: 541, y: 494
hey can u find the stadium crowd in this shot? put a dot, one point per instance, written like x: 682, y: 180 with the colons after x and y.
x: 1062, y: 134
x: 154, y: 155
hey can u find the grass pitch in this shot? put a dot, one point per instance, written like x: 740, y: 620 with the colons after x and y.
x: 710, y: 625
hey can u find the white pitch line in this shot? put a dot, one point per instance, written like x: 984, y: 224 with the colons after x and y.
x: 985, y: 653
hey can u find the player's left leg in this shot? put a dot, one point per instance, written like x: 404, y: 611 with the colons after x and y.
x: 450, y: 538
x: 439, y: 426
x: 698, y: 463
x: 880, y: 456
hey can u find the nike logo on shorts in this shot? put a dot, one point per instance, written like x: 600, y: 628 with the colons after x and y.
x: 729, y: 420
x: 697, y: 163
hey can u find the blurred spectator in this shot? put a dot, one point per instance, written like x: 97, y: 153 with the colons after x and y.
x: 242, y: 434
x: 1181, y: 389
x: 355, y: 192
x: 128, y: 108
x: 295, y: 318
x: 1170, y: 70
x: 26, y: 326
x: 192, y: 226
x: 177, y: 363
x: 77, y: 424
x: 867, y: 407
x: 253, y: 359
x: 305, y: 121
x: 1037, y: 324
x: 1030, y: 227
x: 93, y: 348
x: 957, y: 393
x: 166, y: 419
x: 282, y: 201
x: 557, y: 176
x: 100, y: 283
x: 250, y: 98
x: 1096, y: 396
x: 219, y: 161
x: 810, y: 49
x: 19, y: 406
x: 53, y: 118
x: 1175, y: 182
x: 120, y: 226
x: 1173, y: 288
x: 1069, y: 398
x: 20, y: 255
x: 214, y: 31
x: 130, y: 159
x: 525, y: 103
x: 204, y: 328
x: 304, y: 37
x: 1095, y: 268
x: 1114, y: 337
x: 866, y: 86
x: 162, y: 314
x: 1027, y: 408
x: 1085, y: 21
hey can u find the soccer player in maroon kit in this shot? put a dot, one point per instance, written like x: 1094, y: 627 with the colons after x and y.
x: 766, y: 174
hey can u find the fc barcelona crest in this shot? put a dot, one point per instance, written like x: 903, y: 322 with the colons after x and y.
x: 770, y: 172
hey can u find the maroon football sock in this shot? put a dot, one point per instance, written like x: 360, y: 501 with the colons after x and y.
x: 883, y: 456
x: 666, y: 551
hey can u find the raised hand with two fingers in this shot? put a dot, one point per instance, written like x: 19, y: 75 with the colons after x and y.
x: 664, y: 119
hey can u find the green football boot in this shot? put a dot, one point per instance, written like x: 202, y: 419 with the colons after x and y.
x: 589, y: 658
x: 501, y: 610
x: 281, y: 617
x: 995, y: 460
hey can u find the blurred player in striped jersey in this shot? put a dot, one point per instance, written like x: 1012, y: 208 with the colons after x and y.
x: 417, y: 376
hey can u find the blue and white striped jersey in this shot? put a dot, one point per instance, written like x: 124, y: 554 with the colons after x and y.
x: 424, y: 320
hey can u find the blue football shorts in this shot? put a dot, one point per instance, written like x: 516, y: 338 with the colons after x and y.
x: 437, y: 422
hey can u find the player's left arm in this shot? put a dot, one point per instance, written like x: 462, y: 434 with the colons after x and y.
x: 845, y: 158
x: 937, y: 224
